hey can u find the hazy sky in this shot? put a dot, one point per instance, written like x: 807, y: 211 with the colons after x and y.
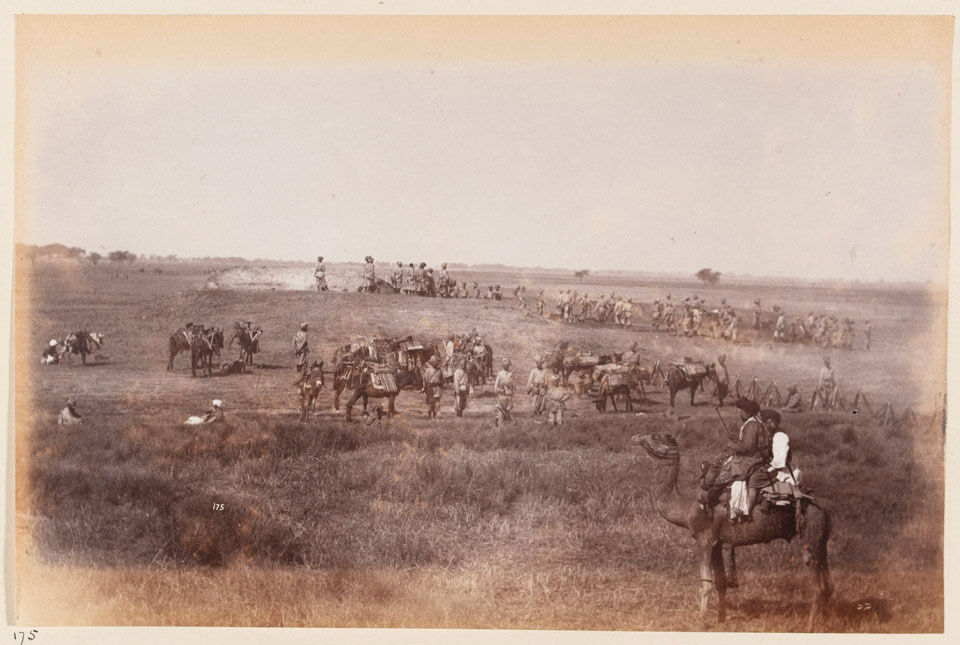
x: 787, y: 167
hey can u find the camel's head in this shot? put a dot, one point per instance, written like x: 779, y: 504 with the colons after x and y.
x: 658, y: 446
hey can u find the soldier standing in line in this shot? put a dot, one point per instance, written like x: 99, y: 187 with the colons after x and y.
x: 780, y: 328
x: 420, y: 279
x: 396, y: 279
x: 369, y: 275
x: 541, y: 303
x: 320, y: 274
x: 410, y: 280
x: 461, y: 387
x: 301, y: 348
x: 866, y: 331
x: 537, y: 386
x: 504, y: 389
x: 433, y: 386
x: 443, y: 282
x: 697, y: 317
x: 756, y: 314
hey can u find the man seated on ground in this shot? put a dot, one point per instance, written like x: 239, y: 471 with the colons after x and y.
x: 794, y: 401
x: 213, y: 415
x: 51, y: 354
x: 69, y: 415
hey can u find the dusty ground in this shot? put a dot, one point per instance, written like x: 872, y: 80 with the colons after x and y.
x: 574, y: 545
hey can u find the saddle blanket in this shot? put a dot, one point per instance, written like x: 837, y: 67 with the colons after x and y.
x: 385, y: 381
x: 587, y: 359
x: 614, y: 379
x: 611, y: 368
x: 692, y: 369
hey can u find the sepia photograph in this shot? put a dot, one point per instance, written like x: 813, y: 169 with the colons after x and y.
x: 623, y: 323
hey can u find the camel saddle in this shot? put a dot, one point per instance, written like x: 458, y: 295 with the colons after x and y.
x: 715, y: 484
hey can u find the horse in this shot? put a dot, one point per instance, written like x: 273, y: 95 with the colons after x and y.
x: 309, y: 388
x: 612, y: 385
x: 248, y: 340
x: 203, y: 348
x: 179, y: 342
x: 361, y: 381
x: 678, y: 379
x: 82, y: 343
x: 566, y: 361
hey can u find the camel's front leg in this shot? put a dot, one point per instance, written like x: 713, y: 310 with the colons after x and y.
x: 706, y: 580
x: 719, y: 581
x: 732, y: 580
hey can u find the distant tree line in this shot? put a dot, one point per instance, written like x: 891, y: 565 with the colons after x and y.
x: 64, y: 252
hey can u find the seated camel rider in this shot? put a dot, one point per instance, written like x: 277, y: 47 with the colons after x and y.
x: 780, y: 466
x: 211, y: 416
x: 747, y: 466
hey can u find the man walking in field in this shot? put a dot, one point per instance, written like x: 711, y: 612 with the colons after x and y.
x: 461, y: 387
x: 301, y: 348
x: 504, y: 389
x: 827, y: 384
x: 320, y: 274
x: 537, y: 386
x: 433, y: 386
x: 557, y: 397
x: 723, y: 379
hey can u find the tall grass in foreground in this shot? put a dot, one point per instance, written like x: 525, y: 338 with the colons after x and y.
x: 461, y: 499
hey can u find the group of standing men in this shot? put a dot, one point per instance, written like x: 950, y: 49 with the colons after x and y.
x: 573, y: 307
x: 687, y: 318
x: 421, y: 280
x: 820, y: 329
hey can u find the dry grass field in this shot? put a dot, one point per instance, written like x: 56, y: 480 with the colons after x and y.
x: 449, y: 523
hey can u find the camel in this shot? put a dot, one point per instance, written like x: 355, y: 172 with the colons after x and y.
x: 712, y: 529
